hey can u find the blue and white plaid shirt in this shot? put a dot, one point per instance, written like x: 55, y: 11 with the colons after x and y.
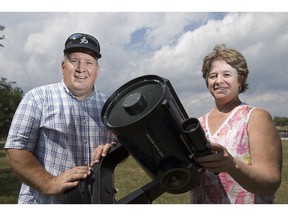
x: 60, y: 130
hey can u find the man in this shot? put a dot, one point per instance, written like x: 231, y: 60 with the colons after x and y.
x: 56, y: 135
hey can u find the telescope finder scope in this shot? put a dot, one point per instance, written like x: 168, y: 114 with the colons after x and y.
x: 195, y: 136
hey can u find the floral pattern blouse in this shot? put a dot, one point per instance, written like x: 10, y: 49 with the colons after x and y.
x: 222, y: 188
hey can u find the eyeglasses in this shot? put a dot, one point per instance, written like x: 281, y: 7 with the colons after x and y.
x: 77, y: 37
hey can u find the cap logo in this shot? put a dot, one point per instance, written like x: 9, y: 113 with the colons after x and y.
x: 83, y: 40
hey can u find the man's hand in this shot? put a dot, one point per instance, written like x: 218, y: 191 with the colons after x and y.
x: 67, y: 180
x: 30, y: 171
x: 100, y: 151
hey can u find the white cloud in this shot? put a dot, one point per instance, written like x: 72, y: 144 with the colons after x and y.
x: 172, y: 45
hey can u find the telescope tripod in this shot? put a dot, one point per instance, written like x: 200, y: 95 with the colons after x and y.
x: 102, y: 191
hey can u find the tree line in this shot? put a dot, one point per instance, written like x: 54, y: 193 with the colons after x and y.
x: 280, y: 121
x: 3, y: 36
x: 10, y: 97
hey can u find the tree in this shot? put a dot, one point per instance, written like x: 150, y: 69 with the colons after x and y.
x: 3, y: 36
x: 280, y: 121
x: 9, y: 99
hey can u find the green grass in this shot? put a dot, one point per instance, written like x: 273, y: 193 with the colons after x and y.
x: 138, y: 178
x: 10, y: 184
x: 281, y: 194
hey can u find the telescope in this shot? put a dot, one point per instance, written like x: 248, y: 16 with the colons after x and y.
x: 152, y: 126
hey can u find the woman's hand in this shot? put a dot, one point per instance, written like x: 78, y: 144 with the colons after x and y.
x: 220, y: 161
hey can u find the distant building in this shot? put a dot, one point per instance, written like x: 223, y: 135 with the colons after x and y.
x: 283, y: 131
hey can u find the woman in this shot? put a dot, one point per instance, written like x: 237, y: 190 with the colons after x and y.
x: 247, y: 149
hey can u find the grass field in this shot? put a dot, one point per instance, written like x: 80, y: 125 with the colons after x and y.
x: 137, y: 178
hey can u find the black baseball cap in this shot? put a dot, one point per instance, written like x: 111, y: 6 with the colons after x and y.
x: 80, y: 40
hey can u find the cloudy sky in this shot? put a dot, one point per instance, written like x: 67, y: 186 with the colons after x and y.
x: 168, y: 44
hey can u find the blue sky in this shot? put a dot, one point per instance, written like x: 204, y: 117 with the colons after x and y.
x: 167, y: 44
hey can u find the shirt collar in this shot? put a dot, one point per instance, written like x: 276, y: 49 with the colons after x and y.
x: 70, y: 93
x: 67, y: 90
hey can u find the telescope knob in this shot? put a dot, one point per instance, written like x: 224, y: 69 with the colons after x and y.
x: 134, y: 103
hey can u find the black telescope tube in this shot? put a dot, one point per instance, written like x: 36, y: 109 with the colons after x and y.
x: 195, y: 135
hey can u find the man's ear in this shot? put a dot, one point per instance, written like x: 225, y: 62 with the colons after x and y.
x: 62, y: 66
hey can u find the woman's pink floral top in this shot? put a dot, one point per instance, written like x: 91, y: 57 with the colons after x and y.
x: 222, y: 188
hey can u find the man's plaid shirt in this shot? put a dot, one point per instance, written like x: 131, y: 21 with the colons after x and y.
x: 60, y: 130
